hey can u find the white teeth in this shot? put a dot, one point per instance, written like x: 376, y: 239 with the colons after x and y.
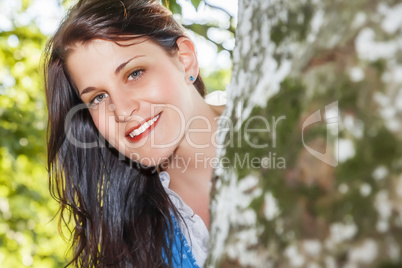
x: 143, y: 127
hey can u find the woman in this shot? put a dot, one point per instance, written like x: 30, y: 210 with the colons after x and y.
x: 129, y: 136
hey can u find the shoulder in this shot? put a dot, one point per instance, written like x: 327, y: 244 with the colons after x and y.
x: 217, y: 101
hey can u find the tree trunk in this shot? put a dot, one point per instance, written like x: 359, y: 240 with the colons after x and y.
x: 311, y: 157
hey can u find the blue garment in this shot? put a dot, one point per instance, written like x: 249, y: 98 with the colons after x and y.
x: 192, y: 227
x: 182, y: 255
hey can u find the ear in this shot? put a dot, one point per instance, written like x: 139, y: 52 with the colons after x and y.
x: 188, y: 58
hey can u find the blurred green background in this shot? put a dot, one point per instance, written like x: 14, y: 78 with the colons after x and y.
x: 28, y: 228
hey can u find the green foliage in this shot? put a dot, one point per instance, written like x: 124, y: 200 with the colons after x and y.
x: 196, y: 3
x: 173, y: 6
x: 28, y: 235
x: 217, y: 80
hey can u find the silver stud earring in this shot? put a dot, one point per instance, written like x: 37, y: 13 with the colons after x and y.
x: 192, y: 78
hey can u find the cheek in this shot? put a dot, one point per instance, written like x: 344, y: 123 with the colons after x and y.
x: 105, y: 125
x: 168, y: 83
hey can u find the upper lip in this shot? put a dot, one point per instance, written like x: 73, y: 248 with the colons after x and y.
x: 138, y: 125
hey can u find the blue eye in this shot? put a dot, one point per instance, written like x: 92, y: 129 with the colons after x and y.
x: 98, y: 99
x: 136, y: 74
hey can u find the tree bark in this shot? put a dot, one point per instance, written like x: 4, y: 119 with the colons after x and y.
x: 311, y: 158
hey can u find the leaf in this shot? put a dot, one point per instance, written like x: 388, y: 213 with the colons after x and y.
x: 196, y: 3
x: 173, y: 6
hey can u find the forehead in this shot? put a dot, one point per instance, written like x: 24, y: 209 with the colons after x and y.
x: 110, y: 49
x: 91, y: 63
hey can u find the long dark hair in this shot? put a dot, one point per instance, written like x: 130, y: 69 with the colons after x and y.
x: 120, y: 213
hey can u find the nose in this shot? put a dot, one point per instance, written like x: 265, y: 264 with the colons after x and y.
x: 123, y: 107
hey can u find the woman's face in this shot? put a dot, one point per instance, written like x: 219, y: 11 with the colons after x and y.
x: 139, y: 97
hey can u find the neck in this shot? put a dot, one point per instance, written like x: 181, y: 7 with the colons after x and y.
x: 192, y: 162
x: 191, y: 165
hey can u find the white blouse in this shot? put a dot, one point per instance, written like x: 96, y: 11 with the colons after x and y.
x: 196, y: 232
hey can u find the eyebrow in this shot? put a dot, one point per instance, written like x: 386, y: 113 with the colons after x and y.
x: 116, y: 72
x: 121, y: 66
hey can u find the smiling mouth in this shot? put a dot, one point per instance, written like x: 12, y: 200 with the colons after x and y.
x: 143, y: 127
